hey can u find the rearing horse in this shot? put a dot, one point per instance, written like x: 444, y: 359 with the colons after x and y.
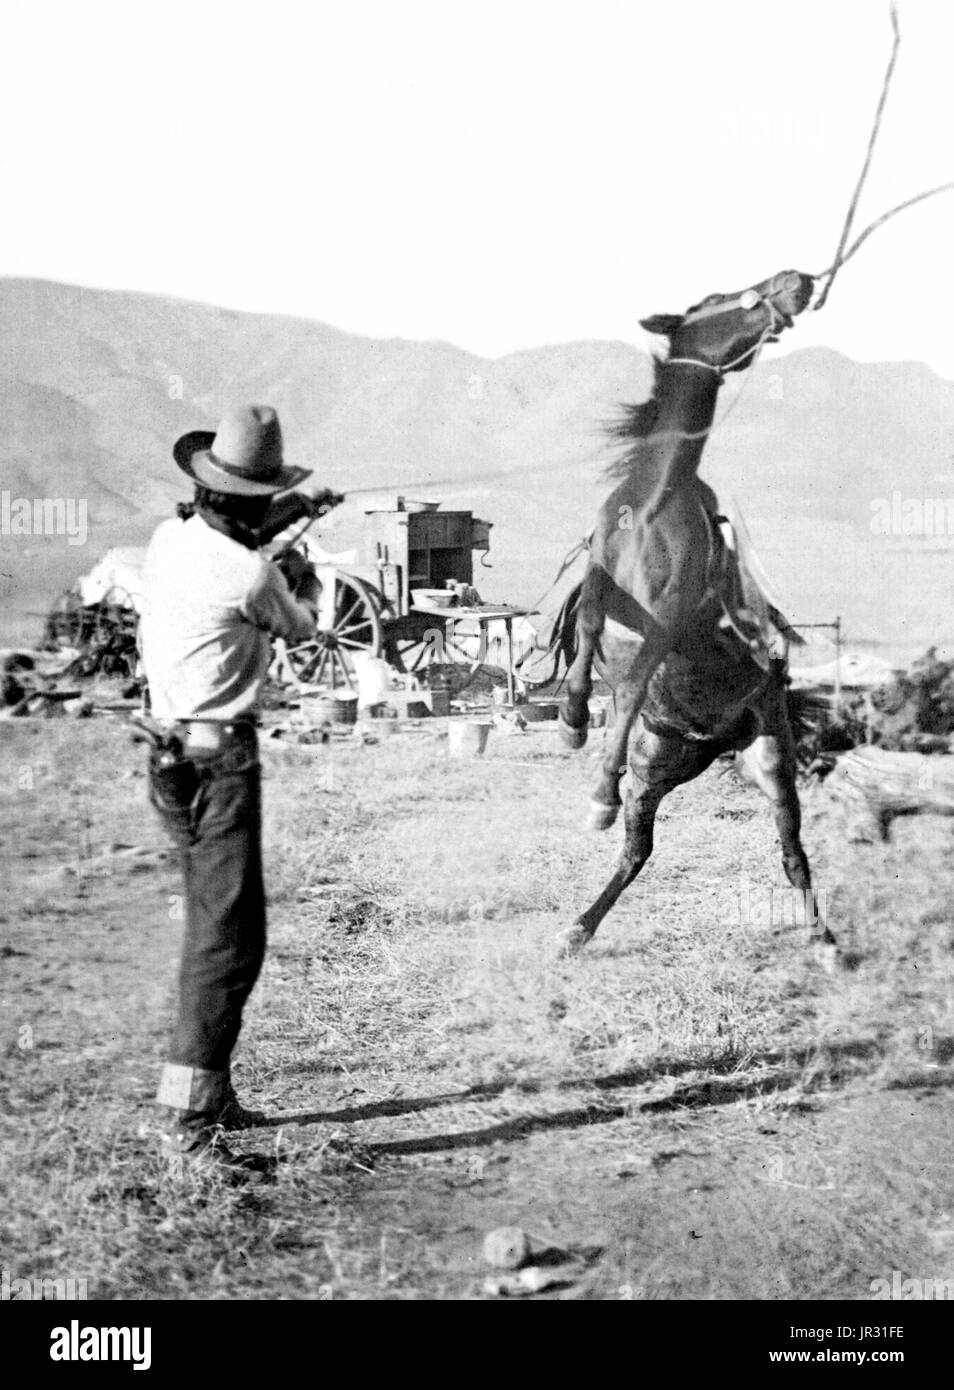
x: 652, y: 611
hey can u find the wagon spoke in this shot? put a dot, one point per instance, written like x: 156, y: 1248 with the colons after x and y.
x: 355, y: 627
x: 316, y: 678
x: 340, y: 622
x: 336, y: 656
x: 309, y: 666
x: 465, y: 656
x: 408, y: 649
x: 329, y: 673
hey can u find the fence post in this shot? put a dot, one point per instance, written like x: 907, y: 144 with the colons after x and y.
x: 837, y: 627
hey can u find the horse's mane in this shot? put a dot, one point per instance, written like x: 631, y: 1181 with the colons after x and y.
x: 632, y: 426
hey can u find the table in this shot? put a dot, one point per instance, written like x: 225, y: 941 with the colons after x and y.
x: 483, y: 614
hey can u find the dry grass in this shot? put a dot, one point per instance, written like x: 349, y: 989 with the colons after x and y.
x: 435, y: 1072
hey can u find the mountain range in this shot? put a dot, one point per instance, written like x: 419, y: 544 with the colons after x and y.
x: 815, y: 449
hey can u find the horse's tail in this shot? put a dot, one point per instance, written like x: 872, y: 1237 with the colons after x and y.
x: 562, y: 645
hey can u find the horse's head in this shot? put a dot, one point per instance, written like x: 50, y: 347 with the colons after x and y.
x: 725, y: 330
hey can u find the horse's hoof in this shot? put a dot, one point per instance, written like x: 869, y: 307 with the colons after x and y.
x: 571, y: 737
x: 570, y: 943
x: 602, y: 815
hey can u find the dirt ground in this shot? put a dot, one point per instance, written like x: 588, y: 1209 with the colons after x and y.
x: 694, y: 1109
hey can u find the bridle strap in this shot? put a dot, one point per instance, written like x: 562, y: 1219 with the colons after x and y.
x: 722, y: 306
x: 774, y: 320
x: 754, y: 351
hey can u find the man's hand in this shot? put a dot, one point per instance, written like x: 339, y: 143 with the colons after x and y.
x: 322, y: 500
x: 296, y: 569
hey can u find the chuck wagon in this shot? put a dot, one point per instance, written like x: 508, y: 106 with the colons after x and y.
x: 404, y: 593
x: 401, y: 596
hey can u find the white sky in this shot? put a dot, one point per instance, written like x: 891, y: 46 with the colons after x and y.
x: 497, y: 173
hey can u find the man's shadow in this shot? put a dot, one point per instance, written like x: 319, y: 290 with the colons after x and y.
x: 721, y: 1088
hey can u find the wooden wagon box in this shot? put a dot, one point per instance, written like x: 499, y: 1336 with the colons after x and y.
x: 420, y: 550
x: 368, y: 606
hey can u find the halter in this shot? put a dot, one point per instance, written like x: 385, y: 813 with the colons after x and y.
x: 740, y: 301
x: 753, y: 351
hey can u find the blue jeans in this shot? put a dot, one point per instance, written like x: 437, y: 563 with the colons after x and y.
x: 210, y: 802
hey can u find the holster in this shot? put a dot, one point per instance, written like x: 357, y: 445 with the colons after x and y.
x: 175, y: 790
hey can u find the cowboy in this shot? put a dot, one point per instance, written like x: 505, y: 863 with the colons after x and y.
x: 212, y: 605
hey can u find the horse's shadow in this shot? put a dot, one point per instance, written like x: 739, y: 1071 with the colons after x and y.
x: 721, y: 1087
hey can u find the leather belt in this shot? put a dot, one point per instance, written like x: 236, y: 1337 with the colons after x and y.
x: 209, y: 734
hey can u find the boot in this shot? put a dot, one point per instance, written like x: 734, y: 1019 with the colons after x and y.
x: 234, y: 1115
x: 193, y: 1144
x: 195, y: 1091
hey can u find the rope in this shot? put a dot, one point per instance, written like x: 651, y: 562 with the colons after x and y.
x: 872, y: 139
x: 463, y: 483
x: 756, y: 353
x: 841, y: 255
x: 458, y: 482
x: 571, y: 556
x: 879, y: 222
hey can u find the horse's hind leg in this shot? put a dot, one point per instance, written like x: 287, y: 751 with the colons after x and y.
x: 630, y: 692
x: 771, y: 764
x: 658, y: 765
x: 574, y: 712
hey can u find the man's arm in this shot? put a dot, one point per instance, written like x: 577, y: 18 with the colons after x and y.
x: 271, y: 605
x: 295, y: 506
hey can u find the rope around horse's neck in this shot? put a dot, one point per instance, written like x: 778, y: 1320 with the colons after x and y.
x: 680, y: 434
x: 756, y: 353
x: 693, y: 362
x: 664, y: 492
x: 581, y: 545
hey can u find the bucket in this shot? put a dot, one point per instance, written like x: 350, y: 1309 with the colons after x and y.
x: 539, y: 711
x: 340, y: 709
x: 440, y: 703
x: 467, y: 738
x: 597, y: 715
x: 440, y: 694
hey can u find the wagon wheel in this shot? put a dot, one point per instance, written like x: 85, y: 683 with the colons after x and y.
x: 65, y: 622
x: 423, y: 656
x: 414, y: 656
x: 115, y: 612
x: 114, y: 636
x: 328, y: 657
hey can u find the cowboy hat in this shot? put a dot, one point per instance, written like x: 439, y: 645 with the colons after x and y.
x: 244, y: 455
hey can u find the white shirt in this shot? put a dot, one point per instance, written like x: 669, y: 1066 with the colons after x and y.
x: 210, y: 609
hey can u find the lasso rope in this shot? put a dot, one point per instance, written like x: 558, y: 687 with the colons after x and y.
x: 841, y: 255
x: 872, y: 139
x: 878, y: 222
x: 461, y: 484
